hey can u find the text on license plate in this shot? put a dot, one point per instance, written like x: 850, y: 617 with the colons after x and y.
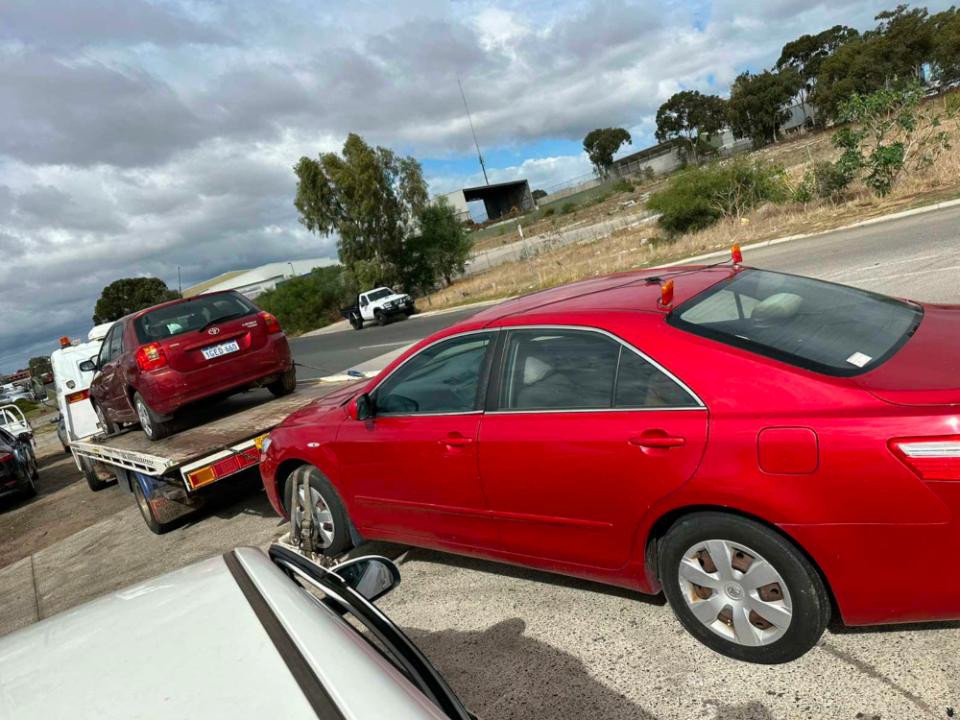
x: 226, y: 348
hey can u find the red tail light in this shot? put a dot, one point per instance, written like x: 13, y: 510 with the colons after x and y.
x: 5, y: 457
x: 151, y: 357
x: 736, y: 255
x: 931, y: 458
x: 273, y: 325
x: 78, y: 396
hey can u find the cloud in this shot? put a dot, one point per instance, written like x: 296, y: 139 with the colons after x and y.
x: 142, y: 135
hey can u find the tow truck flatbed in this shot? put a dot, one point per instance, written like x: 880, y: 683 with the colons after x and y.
x: 222, y: 440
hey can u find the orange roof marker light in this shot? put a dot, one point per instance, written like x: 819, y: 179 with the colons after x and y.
x: 64, y: 341
x: 666, y: 294
x: 736, y: 254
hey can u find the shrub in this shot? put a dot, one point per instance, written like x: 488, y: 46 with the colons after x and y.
x: 648, y: 173
x: 622, y: 186
x: 698, y: 197
x: 567, y: 208
x: 548, y: 212
x: 307, y: 302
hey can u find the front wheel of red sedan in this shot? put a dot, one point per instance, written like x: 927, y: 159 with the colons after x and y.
x: 742, y: 589
x: 331, y: 525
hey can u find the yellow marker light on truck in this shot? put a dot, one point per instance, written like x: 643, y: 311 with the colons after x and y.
x: 201, y: 477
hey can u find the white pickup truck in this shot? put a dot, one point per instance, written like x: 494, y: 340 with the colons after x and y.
x: 378, y: 305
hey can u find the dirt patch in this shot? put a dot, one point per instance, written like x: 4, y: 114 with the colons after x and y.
x: 64, y: 506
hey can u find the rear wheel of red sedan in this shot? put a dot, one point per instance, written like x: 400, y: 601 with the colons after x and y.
x: 152, y: 425
x: 742, y: 589
x: 331, y: 526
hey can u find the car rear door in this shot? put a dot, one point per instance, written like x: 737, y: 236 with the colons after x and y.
x: 585, y: 434
x: 412, y: 468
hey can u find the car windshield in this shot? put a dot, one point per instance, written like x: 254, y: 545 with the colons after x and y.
x: 817, y: 325
x: 380, y: 293
x: 194, y: 314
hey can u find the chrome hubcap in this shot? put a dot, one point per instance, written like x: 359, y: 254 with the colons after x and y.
x: 144, y: 417
x: 735, y: 592
x: 322, y: 517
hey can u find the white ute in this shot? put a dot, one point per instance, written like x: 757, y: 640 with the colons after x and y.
x: 378, y: 305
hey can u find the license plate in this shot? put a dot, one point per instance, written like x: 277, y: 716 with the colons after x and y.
x: 215, y: 351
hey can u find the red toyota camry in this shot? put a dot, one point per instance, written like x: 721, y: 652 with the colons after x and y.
x: 766, y: 449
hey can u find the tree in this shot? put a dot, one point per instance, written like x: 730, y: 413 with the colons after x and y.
x: 122, y: 297
x: 40, y: 366
x: 308, y: 301
x: 692, y: 117
x: 539, y: 194
x: 907, y: 37
x: 945, y: 53
x: 759, y: 104
x: 370, y: 198
x: 439, y: 251
x: 602, y: 144
x: 806, y: 54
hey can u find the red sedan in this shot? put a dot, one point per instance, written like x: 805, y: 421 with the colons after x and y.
x: 157, y: 360
x: 766, y: 449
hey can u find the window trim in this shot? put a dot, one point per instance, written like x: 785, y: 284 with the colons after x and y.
x: 485, y: 367
x: 497, y: 379
x: 673, y: 319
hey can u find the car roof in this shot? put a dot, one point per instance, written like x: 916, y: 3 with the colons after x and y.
x: 177, y: 301
x: 189, y: 644
x: 637, y: 290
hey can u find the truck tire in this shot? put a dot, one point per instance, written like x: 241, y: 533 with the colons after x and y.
x: 330, y: 517
x: 89, y: 470
x: 356, y: 321
x: 380, y: 318
x: 157, y: 525
x: 286, y: 384
x: 151, y: 424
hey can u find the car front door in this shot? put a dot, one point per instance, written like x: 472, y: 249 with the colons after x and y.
x: 111, y: 379
x: 411, y: 470
x: 585, y: 435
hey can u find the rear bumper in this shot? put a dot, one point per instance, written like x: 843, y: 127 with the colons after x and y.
x: 167, y: 390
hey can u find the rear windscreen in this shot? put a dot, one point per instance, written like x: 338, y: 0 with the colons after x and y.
x: 834, y: 329
x: 194, y: 314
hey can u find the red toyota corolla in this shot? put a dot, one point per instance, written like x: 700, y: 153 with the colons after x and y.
x: 765, y: 448
x: 157, y: 360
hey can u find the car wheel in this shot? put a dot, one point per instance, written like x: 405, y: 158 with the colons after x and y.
x: 379, y: 317
x: 93, y: 478
x: 286, y: 384
x: 105, y: 423
x: 330, y: 521
x: 151, y: 424
x: 30, y: 489
x: 742, y: 589
x: 156, y: 525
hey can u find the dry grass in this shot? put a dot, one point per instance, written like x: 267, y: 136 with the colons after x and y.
x: 646, y: 246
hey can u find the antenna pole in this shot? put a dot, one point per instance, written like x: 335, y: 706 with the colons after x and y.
x: 483, y: 167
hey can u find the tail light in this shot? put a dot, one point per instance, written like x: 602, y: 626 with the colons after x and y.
x: 5, y: 457
x: 931, y: 458
x: 78, y: 396
x: 273, y: 325
x: 151, y: 357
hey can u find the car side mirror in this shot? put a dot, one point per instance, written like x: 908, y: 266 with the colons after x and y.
x: 365, y: 407
x: 88, y: 366
x: 372, y: 576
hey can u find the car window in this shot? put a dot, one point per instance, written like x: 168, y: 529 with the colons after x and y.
x: 442, y: 378
x: 640, y: 384
x: 558, y: 369
x: 104, y: 356
x: 380, y: 293
x: 116, y: 342
x: 833, y: 329
x: 191, y: 315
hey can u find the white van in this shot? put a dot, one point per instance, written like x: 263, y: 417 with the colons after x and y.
x: 72, y: 386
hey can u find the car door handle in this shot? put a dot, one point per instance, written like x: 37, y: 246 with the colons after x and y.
x: 456, y: 440
x: 658, y: 441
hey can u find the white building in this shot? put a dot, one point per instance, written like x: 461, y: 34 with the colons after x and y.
x: 258, y: 280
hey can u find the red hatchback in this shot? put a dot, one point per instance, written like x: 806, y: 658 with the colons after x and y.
x: 764, y: 448
x: 157, y: 360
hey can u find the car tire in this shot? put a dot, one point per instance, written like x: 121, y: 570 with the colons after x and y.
x: 286, y: 384
x: 774, y: 622
x: 106, y: 424
x: 30, y: 489
x: 156, y: 525
x: 380, y: 318
x: 152, y: 425
x: 94, y: 481
x: 330, y: 518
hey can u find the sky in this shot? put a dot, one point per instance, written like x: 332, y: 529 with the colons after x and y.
x: 139, y: 136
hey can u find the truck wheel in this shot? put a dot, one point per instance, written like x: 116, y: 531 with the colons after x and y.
x: 93, y: 479
x: 742, y: 589
x: 330, y: 521
x: 151, y: 424
x: 286, y: 384
x: 105, y: 424
x: 356, y: 321
x: 379, y: 317
x: 156, y: 525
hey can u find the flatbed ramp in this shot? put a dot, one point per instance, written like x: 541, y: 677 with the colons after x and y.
x: 222, y: 428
